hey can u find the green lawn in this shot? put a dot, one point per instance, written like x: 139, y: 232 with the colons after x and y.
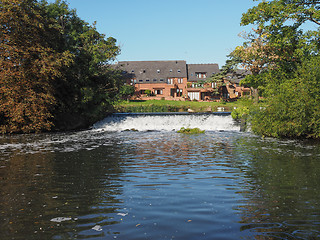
x: 174, y: 106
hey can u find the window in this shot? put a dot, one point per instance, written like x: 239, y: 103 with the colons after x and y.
x: 140, y: 80
x: 158, y: 91
x: 161, y: 79
x: 147, y: 80
x: 179, y: 71
x: 170, y: 80
x: 180, y: 80
x: 201, y: 74
x: 158, y: 71
x: 132, y: 71
x: 170, y: 70
x: 155, y: 80
x: 214, y: 85
x: 135, y: 81
x: 179, y: 92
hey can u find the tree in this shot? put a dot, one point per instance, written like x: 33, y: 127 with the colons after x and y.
x: 278, y: 41
x: 292, y: 75
x: 55, y: 71
x: 29, y: 65
x: 126, y: 91
x: 293, y: 110
x: 89, y: 85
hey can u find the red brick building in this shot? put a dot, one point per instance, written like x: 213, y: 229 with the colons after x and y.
x: 176, y: 80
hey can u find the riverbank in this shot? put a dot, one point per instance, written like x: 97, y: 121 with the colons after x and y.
x: 175, y: 106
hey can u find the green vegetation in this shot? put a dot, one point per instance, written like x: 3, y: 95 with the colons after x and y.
x: 174, y: 106
x: 240, y: 113
x: 284, y: 61
x: 190, y: 130
x: 55, y: 72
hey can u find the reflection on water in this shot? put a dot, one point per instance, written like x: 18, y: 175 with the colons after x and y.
x: 158, y: 185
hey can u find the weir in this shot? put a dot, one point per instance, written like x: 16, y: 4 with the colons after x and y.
x: 217, y: 121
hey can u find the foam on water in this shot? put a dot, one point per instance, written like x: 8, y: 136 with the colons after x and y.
x: 167, y: 122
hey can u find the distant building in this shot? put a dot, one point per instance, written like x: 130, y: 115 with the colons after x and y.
x: 174, y: 80
x: 165, y: 79
x: 233, y: 82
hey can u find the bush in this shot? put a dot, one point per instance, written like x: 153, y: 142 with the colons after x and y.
x: 240, y: 113
x: 293, y: 111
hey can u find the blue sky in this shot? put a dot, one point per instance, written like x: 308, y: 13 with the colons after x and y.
x: 198, y: 31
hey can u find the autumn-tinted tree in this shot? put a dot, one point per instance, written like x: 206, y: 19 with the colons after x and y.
x: 55, y: 71
x: 29, y: 66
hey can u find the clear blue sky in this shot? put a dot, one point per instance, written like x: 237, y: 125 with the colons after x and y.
x: 198, y: 31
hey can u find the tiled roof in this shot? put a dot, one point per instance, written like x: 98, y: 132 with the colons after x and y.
x: 209, y: 69
x: 149, y: 70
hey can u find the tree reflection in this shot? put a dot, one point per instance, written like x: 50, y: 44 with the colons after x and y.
x: 282, y: 190
x: 82, y: 186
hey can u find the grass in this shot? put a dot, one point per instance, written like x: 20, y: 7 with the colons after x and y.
x: 174, y: 106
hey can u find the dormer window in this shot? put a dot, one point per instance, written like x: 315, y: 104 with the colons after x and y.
x: 179, y: 71
x: 201, y: 74
x: 158, y: 71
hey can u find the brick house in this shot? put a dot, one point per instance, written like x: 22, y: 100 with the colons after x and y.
x: 165, y: 79
x: 177, y: 80
x: 198, y: 88
x: 233, y: 84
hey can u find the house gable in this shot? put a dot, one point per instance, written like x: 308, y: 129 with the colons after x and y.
x: 199, y: 72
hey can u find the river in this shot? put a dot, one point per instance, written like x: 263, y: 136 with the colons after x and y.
x: 154, y: 183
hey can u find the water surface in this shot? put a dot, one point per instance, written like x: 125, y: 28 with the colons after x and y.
x: 100, y: 184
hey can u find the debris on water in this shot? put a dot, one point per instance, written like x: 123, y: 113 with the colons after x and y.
x: 97, y: 228
x: 122, y: 214
x: 131, y: 130
x: 60, y: 219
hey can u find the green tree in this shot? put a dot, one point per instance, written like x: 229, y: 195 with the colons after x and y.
x: 278, y: 41
x: 89, y: 86
x: 126, y: 91
x: 293, y: 110
x: 30, y: 65
x: 289, y: 67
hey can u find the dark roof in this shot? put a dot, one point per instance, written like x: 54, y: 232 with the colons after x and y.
x: 237, y: 75
x: 210, y: 69
x: 142, y: 70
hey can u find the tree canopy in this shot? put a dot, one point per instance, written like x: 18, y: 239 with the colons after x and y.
x: 53, y: 66
x: 279, y: 53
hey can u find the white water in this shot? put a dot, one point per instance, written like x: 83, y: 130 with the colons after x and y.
x: 167, y: 122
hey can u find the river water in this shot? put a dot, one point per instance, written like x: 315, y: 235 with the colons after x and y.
x: 109, y: 183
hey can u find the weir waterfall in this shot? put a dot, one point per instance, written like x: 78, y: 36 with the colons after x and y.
x: 168, y: 122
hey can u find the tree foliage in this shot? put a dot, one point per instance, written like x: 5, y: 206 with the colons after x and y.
x: 287, y: 60
x: 29, y: 66
x: 53, y: 65
x: 293, y: 110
